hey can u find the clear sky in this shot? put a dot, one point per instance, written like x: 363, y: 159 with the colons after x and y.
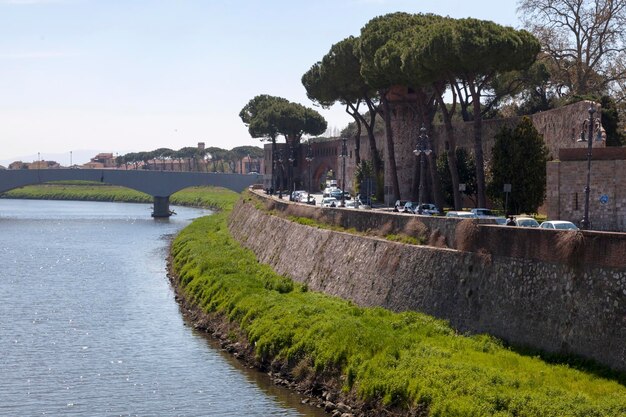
x: 134, y: 75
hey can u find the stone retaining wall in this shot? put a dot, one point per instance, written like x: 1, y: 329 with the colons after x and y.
x: 565, y: 307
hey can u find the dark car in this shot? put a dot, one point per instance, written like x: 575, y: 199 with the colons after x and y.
x: 336, y: 193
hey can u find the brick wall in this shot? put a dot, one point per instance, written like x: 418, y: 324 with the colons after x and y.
x: 566, y: 183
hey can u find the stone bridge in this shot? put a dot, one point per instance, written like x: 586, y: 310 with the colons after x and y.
x: 159, y: 184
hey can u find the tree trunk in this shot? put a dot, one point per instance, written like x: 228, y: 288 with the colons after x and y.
x: 450, y: 148
x: 357, y: 136
x: 426, y: 106
x: 274, y: 170
x: 463, y: 100
x: 478, y: 147
x: 391, y: 155
x: 376, y: 160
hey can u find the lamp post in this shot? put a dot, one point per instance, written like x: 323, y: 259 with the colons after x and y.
x: 292, y: 183
x: 589, y: 124
x: 274, y: 184
x: 422, y: 150
x: 309, y: 160
x: 280, y: 177
x: 343, y: 156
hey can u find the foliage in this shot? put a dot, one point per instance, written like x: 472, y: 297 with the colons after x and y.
x: 242, y: 151
x: 610, y: 122
x: 363, y: 171
x: 337, y: 77
x: 535, y: 90
x: 519, y: 158
x: 351, y: 128
x: 583, y: 40
x: 255, y: 115
x: 190, y: 158
x: 399, y: 359
x: 467, y: 174
x: 267, y: 117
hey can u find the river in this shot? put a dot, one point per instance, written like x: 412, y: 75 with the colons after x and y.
x: 89, y: 325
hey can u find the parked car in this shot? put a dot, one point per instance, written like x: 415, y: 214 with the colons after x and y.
x: 306, y: 198
x: 336, y: 193
x: 482, y: 212
x: 558, y: 225
x: 463, y: 214
x: 409, y: 207
x: 295, y: 195
x: 399, y: 205
x: 427, y: 209
x: 330, y: 202
x: 352, y: 204
x: 526, y: 222
x: 327, y: 191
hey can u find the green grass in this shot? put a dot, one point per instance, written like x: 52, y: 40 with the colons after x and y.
x: 78, y: 191
x: 402, y: 360
x: 406, y: 239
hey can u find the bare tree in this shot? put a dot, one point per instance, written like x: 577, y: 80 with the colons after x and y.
x: 584, y: 39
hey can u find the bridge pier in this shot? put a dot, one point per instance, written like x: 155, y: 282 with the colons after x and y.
x: 161, y: 207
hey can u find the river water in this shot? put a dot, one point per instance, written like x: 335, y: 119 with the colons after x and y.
x: 89, y: 325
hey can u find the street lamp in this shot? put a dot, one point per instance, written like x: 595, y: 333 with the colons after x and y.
x: 309, y: 159
x: 274, y: 184
x: 422, y: 150
x: 343, y: 156
x: 589, y: 124
x: 291, y: 160
x: 280, y: 163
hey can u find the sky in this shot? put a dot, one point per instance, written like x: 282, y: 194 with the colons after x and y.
x: 135, y: 75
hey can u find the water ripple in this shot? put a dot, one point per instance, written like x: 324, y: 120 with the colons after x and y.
x: 89, y: 326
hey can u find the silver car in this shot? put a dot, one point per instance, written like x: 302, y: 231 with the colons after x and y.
x: 558, y: 225
x: 526, y: 222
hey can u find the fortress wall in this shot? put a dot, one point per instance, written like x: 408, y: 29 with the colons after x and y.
x: 560, y: 129
x: 557, y: 306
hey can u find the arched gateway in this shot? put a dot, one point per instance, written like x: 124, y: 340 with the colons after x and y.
x: 159, y: 184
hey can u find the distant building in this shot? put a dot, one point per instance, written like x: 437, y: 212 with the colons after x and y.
x: 102, y: 160
x: 35, y: 165
x: 18, y: 165
x: 247, y: 165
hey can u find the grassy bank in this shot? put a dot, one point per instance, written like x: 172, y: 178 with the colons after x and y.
x: 209, y: 197
x: 406, y: 361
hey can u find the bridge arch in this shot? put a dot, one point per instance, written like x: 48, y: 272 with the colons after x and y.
x: 159, y: 184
